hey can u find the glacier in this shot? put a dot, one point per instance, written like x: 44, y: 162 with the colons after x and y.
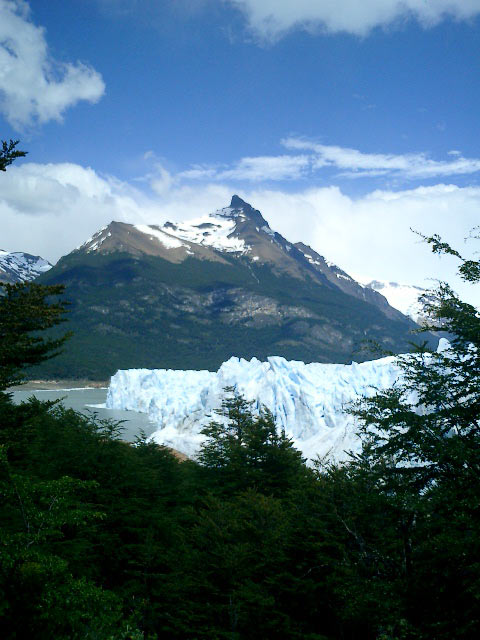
x: 307, y: 400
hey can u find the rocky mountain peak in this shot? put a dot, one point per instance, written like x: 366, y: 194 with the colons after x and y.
x: 238, y: 203
x: 235, y: 232
x: 239, y: 206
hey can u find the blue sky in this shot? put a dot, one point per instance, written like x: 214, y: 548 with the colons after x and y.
x: 346, y: 123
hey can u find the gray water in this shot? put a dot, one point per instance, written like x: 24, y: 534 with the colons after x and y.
x: 79, y: 399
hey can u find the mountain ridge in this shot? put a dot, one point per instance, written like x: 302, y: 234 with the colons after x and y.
x: 190, y: 295
x: 250, y: 236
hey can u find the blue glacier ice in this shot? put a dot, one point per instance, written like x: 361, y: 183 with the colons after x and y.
x: 307, y: 400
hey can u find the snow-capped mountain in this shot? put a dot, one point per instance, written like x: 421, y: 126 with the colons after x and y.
x: 403, y: 297
x: 17, y: 266
x: 190, y: 295
x: 224, y: 231
x: 235, y: 231
x: 307, y: 400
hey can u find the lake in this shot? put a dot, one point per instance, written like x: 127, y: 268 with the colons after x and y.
x: 82, y: 399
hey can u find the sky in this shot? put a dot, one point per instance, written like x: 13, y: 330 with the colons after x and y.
x: 349, y: 125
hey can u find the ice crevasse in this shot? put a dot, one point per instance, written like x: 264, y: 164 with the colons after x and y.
x: 307, y: 400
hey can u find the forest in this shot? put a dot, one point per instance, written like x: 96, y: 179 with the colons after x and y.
x: 102, y: 540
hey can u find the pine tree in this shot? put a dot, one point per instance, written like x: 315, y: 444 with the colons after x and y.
x: 26, y: 309
x: 245, y: 450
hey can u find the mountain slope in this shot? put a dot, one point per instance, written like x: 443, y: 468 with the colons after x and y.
x: 190, y: 295
x: 17, y: 266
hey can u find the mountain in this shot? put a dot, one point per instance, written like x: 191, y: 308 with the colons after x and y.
x: 190, y: 295
x: 17, y: 266
x: 403, y: 297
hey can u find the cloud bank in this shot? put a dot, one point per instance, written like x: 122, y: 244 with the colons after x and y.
x: 271, y: 19
x: 34, y: 87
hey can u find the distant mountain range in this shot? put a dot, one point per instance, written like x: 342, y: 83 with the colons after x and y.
x: 17, y: 266
x: 190, y: 295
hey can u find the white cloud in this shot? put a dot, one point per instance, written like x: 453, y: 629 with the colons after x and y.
x: 351, y: 163
x: 35, y: 88
x: 263, y: 168
x: 358, y: 164
x: 255, y: 169
x: 270, y: 19
x: 48, y: 209
x: 199, y: 172
x: 51, y: 209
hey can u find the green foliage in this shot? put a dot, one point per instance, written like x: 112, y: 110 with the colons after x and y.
x: 25, y: 310
x: 421, y: 452
x: 8, y: 153
x: 83, y: 524
x: 245, y: 451
x: 469, y: 269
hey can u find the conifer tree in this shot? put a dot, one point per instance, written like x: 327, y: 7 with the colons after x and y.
x: 246, y: 451
x: 26, y: 309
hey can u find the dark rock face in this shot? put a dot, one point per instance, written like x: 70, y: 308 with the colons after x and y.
x: 238, y: 203
x: 190, y: 295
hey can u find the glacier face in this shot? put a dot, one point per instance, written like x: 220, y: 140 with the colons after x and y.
x: 307, y: 400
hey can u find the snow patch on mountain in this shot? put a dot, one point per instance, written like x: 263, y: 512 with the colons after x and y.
x: 167, y: 240
x: 214, y: 230
x: 307, y: 400
x: 17, y: 266
x: 267, y: 230
x: 94, y: 241
x: 403, y: 297
x: 312, y: 260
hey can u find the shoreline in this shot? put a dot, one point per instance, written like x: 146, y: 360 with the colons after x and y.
x: 60, y: 385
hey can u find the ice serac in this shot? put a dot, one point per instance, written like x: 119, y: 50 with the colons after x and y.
x: 307, y: 400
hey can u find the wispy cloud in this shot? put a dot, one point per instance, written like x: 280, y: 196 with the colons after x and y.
x: 254, y: 169
x: 263, y: 168
x: 348, y: 163
x: 355, y: 163
x: 35, y: 88
x: 271, y: 19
